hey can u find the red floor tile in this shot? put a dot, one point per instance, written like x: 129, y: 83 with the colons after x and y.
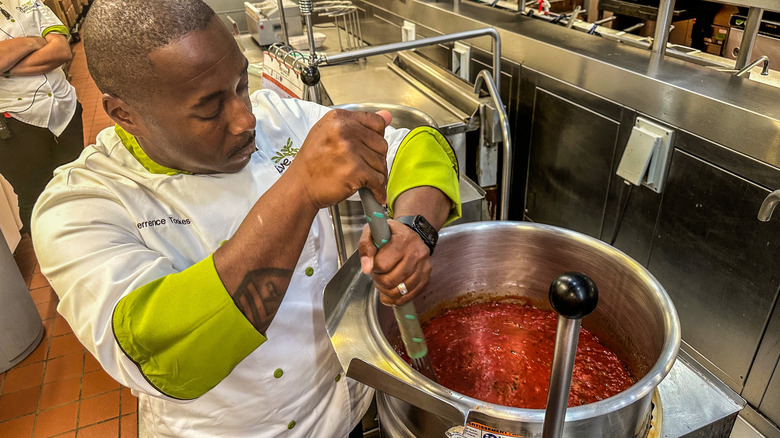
x: 61, y: 326
x: 63, y: 345
x: 21, y: 427
x: 100, y: 408
x: 46, y: 309
x: 90, y: 363
x: 56, y: 421
x: 19, y: 378
x: 128, y: 426
x: 97, y: 382
x: 47, y: 324
x: 38, y: 280
x: 64, y: 366
x: 60, y: 392
x: 43, y: 294
x: 129, y: 402
x: 19, y: 403
x: 100, y: 430
x: 39, y: 354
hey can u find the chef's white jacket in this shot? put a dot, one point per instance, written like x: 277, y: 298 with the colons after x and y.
x: 46, y: 100
x: 112, y: 227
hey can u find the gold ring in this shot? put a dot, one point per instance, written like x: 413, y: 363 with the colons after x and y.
x: 402, y: 288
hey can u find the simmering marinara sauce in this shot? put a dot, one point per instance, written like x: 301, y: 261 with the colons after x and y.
x: 501, y: 352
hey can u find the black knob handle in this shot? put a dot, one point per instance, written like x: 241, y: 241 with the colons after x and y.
x: 310, y: 75
x: 574, y: 295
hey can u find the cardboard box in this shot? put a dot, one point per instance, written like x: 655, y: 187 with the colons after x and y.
x: 715, y: 49
x: 724, y: 15
x: 681, y: 34
x: 56, y: 7
x: 719, y: 34
x: 71, y: 14
x: 66, y: 4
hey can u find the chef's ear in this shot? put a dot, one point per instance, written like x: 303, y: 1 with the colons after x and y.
x: 122, y: 114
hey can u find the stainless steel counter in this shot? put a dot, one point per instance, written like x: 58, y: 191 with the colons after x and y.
x: 371, y: 81
x: 695, y: 405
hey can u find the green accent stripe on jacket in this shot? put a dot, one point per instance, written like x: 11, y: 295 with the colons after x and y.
x: 425, y: 158
x: 131, y: 143
x: 184, y: 331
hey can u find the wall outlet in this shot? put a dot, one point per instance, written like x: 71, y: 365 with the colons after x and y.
x: 461, y: 60
x: 647, y: 155
x: 408, y: 31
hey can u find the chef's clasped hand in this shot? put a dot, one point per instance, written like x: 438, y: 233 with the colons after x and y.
x: 405, y: 259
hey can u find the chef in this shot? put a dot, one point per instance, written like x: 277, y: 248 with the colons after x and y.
x: 190, y: 245
x: 40, y: 118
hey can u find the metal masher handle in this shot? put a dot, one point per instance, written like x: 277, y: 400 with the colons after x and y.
x: 406, y: 314
x: 574, y: 296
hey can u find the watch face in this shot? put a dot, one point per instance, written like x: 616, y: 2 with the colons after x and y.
x: 427, y: 229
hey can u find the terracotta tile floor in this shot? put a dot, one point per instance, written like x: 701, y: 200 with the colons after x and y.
x: 60, y: 389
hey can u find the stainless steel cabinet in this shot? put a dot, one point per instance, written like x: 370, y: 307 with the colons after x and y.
x: 571, y: 154
x: 762, y: 388
x: 718, y: 262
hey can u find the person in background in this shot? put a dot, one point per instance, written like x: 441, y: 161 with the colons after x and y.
x: 191, y: 244
x: 40, y: 117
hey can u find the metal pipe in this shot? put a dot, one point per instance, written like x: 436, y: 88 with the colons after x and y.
x: 407, y: 45
x: 283, y: 22
x: 630, y: 29
x: 506, y: 172
x: 338, y: 233
x: 662, y: 23
x: 746, y: 69
x: 573, y: 18
x: 749, y: 37
x: 566, y: 337
x: 310, y: 32
x: 314, y: 95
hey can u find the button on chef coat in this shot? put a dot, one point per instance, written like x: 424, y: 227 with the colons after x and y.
x: 47, y: 100
x: 98, y: 260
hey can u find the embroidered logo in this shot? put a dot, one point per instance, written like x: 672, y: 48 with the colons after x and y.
x: 28, y: 7
x: 284, y: 157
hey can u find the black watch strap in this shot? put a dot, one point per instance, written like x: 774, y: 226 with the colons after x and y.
x: 423, y: 228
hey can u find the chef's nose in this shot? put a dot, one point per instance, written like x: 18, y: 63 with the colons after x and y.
x: 241, y: 117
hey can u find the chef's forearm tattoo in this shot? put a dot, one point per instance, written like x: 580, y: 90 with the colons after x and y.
x: 260, y: 294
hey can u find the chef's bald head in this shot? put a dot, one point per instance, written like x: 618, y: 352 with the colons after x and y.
x: 119, y: 35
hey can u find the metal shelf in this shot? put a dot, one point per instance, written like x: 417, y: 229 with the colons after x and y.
x: 769, y: 5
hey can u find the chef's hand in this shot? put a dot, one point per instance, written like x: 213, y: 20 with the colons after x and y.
x: 343, y: 152
x: 404, y: 259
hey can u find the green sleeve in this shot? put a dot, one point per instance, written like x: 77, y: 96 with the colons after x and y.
x: 60, y: 29
x: 184, y: 331
x: 425, y: 158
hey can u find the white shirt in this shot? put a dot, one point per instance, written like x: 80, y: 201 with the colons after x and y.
x: 47, y: 100
x: 92, y: 209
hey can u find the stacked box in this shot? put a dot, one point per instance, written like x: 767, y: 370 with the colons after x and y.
x: 71, y: 14
x: 56, y: 7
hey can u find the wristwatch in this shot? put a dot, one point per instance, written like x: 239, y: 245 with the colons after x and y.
x: 423, y: 228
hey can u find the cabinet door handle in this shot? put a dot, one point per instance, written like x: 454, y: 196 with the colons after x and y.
x: 768, y: 206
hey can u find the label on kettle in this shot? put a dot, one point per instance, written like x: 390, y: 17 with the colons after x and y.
x: 476, y: 430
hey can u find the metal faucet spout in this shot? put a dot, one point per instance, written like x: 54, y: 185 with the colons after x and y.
x: 747, y: 68
x: 768, y: 206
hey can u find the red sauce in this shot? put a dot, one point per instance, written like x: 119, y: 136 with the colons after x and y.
x: 502, y: 352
